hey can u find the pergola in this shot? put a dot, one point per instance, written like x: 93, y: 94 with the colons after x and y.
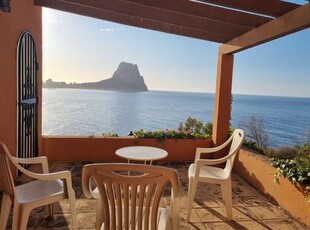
x: 237, y: 24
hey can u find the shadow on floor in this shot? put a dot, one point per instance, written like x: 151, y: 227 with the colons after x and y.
x: 251, y: 210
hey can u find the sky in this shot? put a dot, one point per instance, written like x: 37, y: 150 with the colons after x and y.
x: 82, y: 49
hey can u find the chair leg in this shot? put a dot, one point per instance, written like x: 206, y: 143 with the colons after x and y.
x: 50, y: 211
x: 5, y: 211
x: 227, y: 197
x: 192, y: 186
x: 20, y: 217
x: 99, y: 215
x: 72, y: 202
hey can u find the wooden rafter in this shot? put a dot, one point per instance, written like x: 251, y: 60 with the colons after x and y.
x: 205, y: 11
x: 273, y: 8
x: 180, y: 17
x: 165, y: 16
x: 132, y: 20
x: 291, y: 22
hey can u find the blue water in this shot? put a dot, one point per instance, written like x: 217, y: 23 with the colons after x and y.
x: 93, y: 112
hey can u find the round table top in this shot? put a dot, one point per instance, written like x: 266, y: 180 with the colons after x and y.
x: 142, y: 153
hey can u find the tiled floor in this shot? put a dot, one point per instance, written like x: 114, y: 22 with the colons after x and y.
x: 251, y: 210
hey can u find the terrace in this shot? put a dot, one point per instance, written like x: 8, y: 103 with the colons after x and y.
x: 251, y: 209
x: 236, y: 25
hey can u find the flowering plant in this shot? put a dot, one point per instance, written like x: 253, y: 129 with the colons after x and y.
x: 169, y: 134
x: 193, y: 129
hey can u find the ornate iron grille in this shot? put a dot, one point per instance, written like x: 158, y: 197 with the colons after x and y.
x: 27, y: 67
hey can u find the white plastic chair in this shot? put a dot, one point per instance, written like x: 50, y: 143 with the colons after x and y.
x: 129, y: 196
x: 46, y: 189
x: 203, y: 170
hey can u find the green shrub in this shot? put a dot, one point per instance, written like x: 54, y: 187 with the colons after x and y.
x: 196, y: 127
x: 192, y: 129
x: 286, y: 152
x: 297, y: 170
x: 252, y: 145
x: 109, y: 135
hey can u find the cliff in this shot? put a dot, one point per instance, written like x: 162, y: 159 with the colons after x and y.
x: 126, y: 78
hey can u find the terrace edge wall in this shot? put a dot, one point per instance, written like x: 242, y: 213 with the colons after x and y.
x: 24, y: 16
x: 78, y: 148
x: 257, y: 171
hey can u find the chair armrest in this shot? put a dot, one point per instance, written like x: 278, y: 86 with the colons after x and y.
x: 208, y: 150
x: 61, y: 175
x: 199, y: 151
x: 89, y: 194
x: 86, y: 183
x: 202, y: 162
x: 46, y: 176
x: 34, y: 160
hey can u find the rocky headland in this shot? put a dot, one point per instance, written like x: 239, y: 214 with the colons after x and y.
x: 126, y: 78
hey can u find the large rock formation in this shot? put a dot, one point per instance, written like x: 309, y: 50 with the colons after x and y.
x: 126, y: 78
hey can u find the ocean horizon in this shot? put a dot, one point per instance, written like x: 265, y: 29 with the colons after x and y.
x: 184, y: 91
x: 94, y: 112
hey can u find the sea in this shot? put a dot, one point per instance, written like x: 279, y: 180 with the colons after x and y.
x: 286, y: 120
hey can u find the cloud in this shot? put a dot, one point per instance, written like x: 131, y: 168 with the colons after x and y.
x: 112, y: 29
x: 107, y: 30
x: 54, y: 21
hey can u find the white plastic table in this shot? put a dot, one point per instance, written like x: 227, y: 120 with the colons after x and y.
x: 137, y: 153
x: 141, y: 153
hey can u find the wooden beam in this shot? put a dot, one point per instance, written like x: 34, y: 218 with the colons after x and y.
x: 206, y: 11
x: 291, y: 22
x: 274, y: 8
x: 164, y: 16
x: 184, y: 7
x: 132, y: 20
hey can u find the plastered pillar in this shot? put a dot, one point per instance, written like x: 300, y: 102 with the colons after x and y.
x: 222, y: 98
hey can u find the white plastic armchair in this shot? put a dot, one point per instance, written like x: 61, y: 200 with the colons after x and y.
x: 46, y: 189
x: 130, y: 194
x: 204, y: 170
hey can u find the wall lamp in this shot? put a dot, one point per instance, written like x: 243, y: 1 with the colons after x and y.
x: 5, y: 5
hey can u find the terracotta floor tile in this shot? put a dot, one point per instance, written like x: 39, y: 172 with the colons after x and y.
x: 251, y: 200
x: 251, y: 210
x: 240, y: 225
x: 282, y: 225
x: 87, y: 220
x: 201, y: 202
x: 86, y: 206
x: 267, y: 212
x: 194, y: 218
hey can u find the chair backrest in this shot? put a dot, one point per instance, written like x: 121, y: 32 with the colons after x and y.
x: 5, y: 171
x: 129, y: 193
x: 236, y: 143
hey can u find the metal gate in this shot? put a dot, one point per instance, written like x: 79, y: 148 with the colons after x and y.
x: 27, y: 83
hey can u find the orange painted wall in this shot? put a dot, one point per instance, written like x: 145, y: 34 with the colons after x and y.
x: 23, y: 16
x: 258, y: 172
x: 66, y: 148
